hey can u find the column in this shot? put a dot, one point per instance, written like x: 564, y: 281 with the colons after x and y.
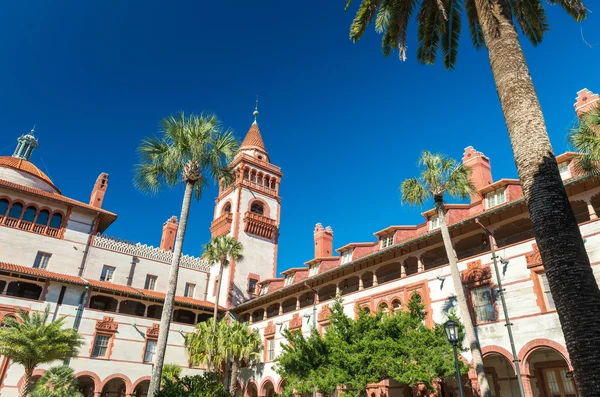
x: 337, y: 290
x: 265, y: 314
x: 118, y: 306
x: 361, y: 285
x: 403, y: 269
x: 591, y: 209
x: 316, y: 299
x: 374, y: 279
x: 297, y: 303
x: 527, y: 385
x: 280, y: 309
x: 420, y: 266
x: 146, y: 311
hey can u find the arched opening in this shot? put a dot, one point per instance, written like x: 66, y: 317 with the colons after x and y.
x: 56, y: 220
x: 22, y: 289
x: 141, y: 390
x: 514, y: 232
x: 2, y: 285
x: 384, y: 308
x: 227, y: 208
x: 268, y: 389
x: 15, y: 211
x: 257, y: 208
x: 367, y: 279
x: 307, y: 299
x: 471, y: 246
x: 260, y: 179
x: 29, y: 214
x: 154, y: 311
x: 114, y: 388
x: 389, y: 272
x: 42, y: 218
x: 202, y: 317
x: 132, y: 307
x: 273, y: 310
x: 184, y: 316
x: 258, y: 315
x: 246, y: 174
x: 500, y: 374
x: 327, y: 292
x: 103, y: 302
x: 253, y: 176
x: 273, y: 184
x: 3, y: 207
x: 434, y: 257
x: 349, y: 285
x: 86, y: 385
x: 289, y: 305
x: 251, y: 390
x: 551, y: 373
x: 581, y: 211
x: 412, y: 265
x: 245, y: 318
x: 34, y: 380
x: 396, y: 305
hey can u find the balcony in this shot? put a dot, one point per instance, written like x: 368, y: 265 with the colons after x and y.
x: 263, y: 188
x: 29, y: 226
x: 259, y: 225
x: 221, y: 225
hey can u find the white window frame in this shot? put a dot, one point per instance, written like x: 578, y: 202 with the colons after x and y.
x: 313, y: 270
x: 96, y: 348
x: 387, y: 240
x: 495, y: 198
x: 477, y: 304
x: 150, y: 283
x: 149, y: 354
x: 41, y: 260
x: 565, y: 172
x: 264, y: 288
x: 434, y: 222
x: 186, y: 291
x: 108, y: 273
x: 347, y: 256
x: 289, y: 279
x: 270, y: 349
x: 547, y: 295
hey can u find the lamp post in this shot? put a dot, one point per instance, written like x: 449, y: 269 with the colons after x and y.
x: 452, y: 335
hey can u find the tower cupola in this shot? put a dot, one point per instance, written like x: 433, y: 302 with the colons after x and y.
x: 26, y: 144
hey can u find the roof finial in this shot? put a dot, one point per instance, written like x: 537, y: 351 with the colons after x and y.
x: 255, y: 113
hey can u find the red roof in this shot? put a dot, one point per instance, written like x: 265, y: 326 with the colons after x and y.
x: 26, y: 166
x: 102, y: 285
x: 253, y: 139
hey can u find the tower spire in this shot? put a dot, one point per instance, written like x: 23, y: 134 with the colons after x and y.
x: 255, y: 113
x: 26, y: 144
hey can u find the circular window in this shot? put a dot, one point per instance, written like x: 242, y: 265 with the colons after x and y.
x: 260, y: 157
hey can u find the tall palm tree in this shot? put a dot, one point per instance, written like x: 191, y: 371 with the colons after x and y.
x: 57, y: 382
x: 241, y: 347
x: 441, y: 175
x: 217, y: 250
x: 193, y: 150
x: 32, y: 340
x: 492, y: 24
x: 584, y: 138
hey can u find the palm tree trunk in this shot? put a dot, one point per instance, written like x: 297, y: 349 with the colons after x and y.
x: 463, y: 306
x: 167, y: 313
x: 26, y: 382
x: 567, y: 266
x: 217, y: 296
x: 235, y: 370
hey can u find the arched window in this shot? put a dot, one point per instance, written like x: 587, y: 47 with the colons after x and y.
x: 42, y: 218
x: 396, y: 306
x: 15, y: 211
x: 246, y: 174
x: 383, y: 307
x: 227, y: 208
x: 260, y: 179
x: 56, y: 220
x: 253, y: 176
x: 257, y: 208
x: 272, y: 183
x: 29, y: 215
x: 3, y: 206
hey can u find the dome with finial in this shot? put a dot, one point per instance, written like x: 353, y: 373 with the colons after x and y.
x: 253, y: 144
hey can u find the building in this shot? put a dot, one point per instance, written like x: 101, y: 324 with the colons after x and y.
x: 53, y: 252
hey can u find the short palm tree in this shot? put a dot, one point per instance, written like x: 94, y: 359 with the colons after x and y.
x: 217, y: 250
x: 440, y: 176
x: 584, y: 138
x: 192, y: 150
x: 171, y: 372
x: 241, y: 347
x: 492, y: 25
x: 32, y: 340
x: 57, y: 382
x: 203, y: 347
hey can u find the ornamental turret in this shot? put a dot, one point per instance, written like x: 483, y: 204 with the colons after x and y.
x: 27, y: 143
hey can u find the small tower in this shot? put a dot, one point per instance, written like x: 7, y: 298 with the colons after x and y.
x: 323, y: 241
x: 167, y: 241
x: 25, y: 146
x: 249, y: 210
x: 586, y: 100
x: 97, y: 196
x: 481, y: 170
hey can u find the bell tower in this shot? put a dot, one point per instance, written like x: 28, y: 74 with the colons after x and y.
x: 249, y: 210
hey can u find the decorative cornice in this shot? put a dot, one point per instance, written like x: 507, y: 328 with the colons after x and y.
x: 534, y: 258
x: 324, y: 314
x: 221, y: 225
x: 296, y: 322
x: 270, y: 329
x: 259, y: 225
x: 107, y: 324
x: 152, y: 332
x: 476, y: 273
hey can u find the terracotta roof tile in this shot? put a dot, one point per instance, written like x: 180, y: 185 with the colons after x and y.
x: 26, y: 166
x: 253, y: 139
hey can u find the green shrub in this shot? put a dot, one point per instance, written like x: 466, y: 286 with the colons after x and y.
x: 205, y: 385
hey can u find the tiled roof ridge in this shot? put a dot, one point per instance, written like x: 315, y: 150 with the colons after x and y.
x: 253, y: 139
x: 148, y: 252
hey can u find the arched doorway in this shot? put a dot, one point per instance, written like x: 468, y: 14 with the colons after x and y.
x: 115, y: 387
x: 501, y: 375
x: 549, y: 373
x: 141, y: 388
x: 86, y: 385
x: 251, y: 390
x: 268, y: 390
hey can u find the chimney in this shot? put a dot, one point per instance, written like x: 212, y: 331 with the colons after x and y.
x: 481, y: 170
x: 167, y: 241
x: 586, y: 101
x: 323, y: 241
x: 97, y: 196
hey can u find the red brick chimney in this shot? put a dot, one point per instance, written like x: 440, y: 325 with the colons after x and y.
x: 323, y: 241
x: 97, y: 196
x: 167, y: 242
x: 481, y: 170
x: 586, y: 101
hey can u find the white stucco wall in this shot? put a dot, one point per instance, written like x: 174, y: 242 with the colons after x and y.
x: 23, y: 178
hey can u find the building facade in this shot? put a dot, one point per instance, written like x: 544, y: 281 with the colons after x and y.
x: 54, y: 253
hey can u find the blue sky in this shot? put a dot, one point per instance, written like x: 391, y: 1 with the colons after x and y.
x: 345, y: 123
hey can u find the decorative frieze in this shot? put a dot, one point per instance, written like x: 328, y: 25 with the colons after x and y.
x: 153, y: 331
x: 270, y: 329
x: 107, y: 324
x: 296, y: 322
x: 148, y: 252
x: 476, y: 273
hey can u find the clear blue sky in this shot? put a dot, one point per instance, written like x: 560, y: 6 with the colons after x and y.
x: 344, y: 123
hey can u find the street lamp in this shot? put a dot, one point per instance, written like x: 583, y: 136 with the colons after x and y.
x: 451, y: 328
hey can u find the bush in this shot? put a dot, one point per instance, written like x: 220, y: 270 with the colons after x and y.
x: 205, y: 385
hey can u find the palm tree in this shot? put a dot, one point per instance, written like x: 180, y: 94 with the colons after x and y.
x: 217, y: 250
x: 170, y: 372
x: 241, y: 347
x: 492, y: 24
x: 57, y: 382
x: 584, y: 138
x: 203, y: 347
x: 32, y: 340
x: 193, y: 150
x: 440, y: 176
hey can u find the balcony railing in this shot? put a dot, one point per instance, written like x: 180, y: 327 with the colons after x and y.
x: 29, y: 226
x: 259, y: 225
x: 258, y: 187
x: 221, y: 225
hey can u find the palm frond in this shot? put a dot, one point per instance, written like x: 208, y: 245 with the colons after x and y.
x: 585, y: 140
x: 413, y: 192
x: 219, y: 248
x: 364, y: 16
x: 458, y: 183
x: 575, y: 8
x: 531, y: 17
x: 451, y: 35
x: 428, y: 35
x: 474, y: 25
